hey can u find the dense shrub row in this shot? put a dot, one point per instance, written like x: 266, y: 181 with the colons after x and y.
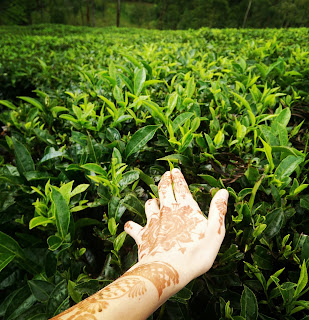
x: 112, y: 111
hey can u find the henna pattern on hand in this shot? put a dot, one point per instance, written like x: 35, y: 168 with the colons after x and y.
x: 222, y: 208
x: 181, y: 185
x: 128, y: 225
x: 170, y: 228
x: 164, y: 183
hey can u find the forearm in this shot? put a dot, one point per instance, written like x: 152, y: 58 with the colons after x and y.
x: 135, y: 295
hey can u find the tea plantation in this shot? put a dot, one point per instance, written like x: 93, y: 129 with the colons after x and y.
x: 91, y: 119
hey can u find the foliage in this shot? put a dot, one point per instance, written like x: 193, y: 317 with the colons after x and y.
x: 111, y: 110
x: 162, y: 14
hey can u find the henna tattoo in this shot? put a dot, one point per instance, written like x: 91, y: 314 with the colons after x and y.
x: 128, y: 225
x: 165, y: 183
x: 180, y: 185
x: 85, y: 310
x: 222, y: 208
x: 172, y: 227
x: 161, y: 274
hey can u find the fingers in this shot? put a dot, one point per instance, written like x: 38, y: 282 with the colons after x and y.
x: 133, y: 229
x: 181, y: 190
x: 152, y: 207
x: 217, y: 211
x: 165, y: 189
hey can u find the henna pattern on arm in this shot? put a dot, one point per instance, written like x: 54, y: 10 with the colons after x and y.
x: 131, y: 284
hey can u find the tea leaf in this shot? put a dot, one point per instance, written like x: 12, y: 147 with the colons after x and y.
x: 41, y: 289
x: 139, y: 80
x: 287, y: 166
x: 140, y: 138
x: 302, y: 281
x: 10, y: 246
x: 5, y: 259
x: 249, y: 306
x: 118, y: 243
x: 62, y: 212
x: 23, y: 157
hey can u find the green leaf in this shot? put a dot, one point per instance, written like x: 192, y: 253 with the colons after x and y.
x: 117, y: 155
x: 68, y: 117
x: 41, y: 289
x: 8, y: 104
x: 117, y: 93
x: 58, y: 300
x: 112, y: 226
x: 34, y: 102
x: 282, y: 119
x: 39, y: 221
x: 84, y: 222
x: 118, y: 242
x: 190, y: 88
x: 95, y: 168
x: 275, y: 275
x: 267, y: 150
x: 171, y: 104
x: 76, y: 296
x: 231, y: 254
x: 287, y: 150
x: 140, y: 138
x: 23, y: 157
x: 133, y: 204
x: 287, y: 166
x: 155, y: 110
x: 182, y: 295
x: 79, y: 189
x: 116, y: 208
x: 180, y: 120
x: 274, y: 221
x: 51, y: 153
x: 176, y: 158
x: 62, y: 212
x: 249, y: 305
x: 91, y: 148
x: 302, y: 281
x: 139, y: 79
x: 144, y: 177
x: 104, y: 193
x: 35, y: 175
x: 210, y: 180
x: 54, y: 242
x: 20, y: 303
x: 65, y: 190
x: 262, y: 258
x: 5, y: 259
x: 10, y: 246
x: 128, y: 178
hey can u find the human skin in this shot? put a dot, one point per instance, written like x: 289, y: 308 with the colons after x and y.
x: 177, y: 245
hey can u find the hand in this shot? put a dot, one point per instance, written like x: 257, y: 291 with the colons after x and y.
x: 177, y: 244
x: 177, y: 233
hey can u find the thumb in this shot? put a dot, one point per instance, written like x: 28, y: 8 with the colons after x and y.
x: 133, y: 229
x: 217, y: 211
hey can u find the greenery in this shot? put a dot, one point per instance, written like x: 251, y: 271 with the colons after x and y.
x: 91, y: 120
x: 162, y: 14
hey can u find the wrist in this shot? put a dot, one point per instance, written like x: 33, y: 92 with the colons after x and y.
x: 168, y: 279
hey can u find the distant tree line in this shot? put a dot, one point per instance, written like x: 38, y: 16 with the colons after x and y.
x: 162, y: 14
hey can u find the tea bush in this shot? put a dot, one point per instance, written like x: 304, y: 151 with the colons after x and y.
x: 91, y: 120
